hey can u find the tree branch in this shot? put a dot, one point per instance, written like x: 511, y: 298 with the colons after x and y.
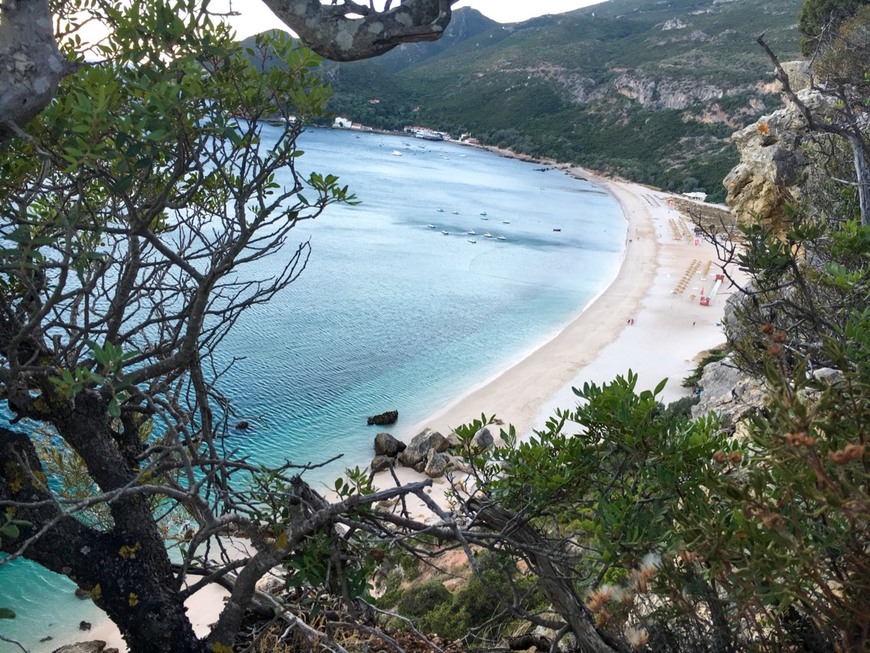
x: 350, y: 31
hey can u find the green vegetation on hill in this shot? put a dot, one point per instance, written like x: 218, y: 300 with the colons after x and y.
x: 644, y: 89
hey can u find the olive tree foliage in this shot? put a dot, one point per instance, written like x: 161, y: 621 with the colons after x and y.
x: 137, y: 212
x: 31, y: 64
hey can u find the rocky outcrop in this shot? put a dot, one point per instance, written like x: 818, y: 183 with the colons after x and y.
x: 656, y: 95
x: 386, y: 449
x: 772, y: 162
x: 384, y: 419
x: 673, y: 23
x: 729, y: 393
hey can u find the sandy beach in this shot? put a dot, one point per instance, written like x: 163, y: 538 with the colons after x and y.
x: 649, y: 319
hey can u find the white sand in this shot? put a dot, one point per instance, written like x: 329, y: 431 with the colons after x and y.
x: 669, y: 331
x: 203, y: 609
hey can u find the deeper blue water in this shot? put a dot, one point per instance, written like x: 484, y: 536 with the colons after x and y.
x: 390, y: 313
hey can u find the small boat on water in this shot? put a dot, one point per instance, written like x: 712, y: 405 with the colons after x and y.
x: 487, y: 235
x: 471, y: 232
x: 431, y: 226
x: 440, y: 210
x: 456, y: 213
x: 557, y: 229
x: 500, y: 237
x: 446, y: 233
x: 484, y: 218
x: 472, y: 240
x: 505, y: 221
x: 396, y: 153
x: 483, y: 213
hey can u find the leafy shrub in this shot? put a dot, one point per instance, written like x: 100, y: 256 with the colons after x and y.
x: 681, y: 407
x: 714, y: 356
x: 424, y: 598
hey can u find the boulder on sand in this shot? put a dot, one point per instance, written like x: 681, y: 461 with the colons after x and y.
x: 381, y: 463
x: 437, y: 464
x: 416, y: 452
x: 387, y: 445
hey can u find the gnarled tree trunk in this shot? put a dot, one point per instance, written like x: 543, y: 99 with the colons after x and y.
x: 553, y: 580
x: 31, y: 66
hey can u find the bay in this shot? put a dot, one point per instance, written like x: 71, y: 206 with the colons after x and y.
x: 390, y: 313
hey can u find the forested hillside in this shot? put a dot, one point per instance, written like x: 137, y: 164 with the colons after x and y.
x: 646, y: 89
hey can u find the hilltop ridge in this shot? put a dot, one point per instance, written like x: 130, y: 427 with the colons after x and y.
x: 647, y: 89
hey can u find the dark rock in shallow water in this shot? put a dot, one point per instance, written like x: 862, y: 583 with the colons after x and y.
x: 387, y: 445
x: 380, y: 463
x: 384, y: 419
x: 243, y: 425
x: 82, y: 594
x: 84, y: 625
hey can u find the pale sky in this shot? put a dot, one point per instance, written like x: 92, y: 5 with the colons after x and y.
x: 256, y: 17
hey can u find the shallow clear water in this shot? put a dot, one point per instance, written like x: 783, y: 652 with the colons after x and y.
x: 390, y: 313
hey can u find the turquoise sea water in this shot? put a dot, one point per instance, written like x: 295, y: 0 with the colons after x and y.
x: 390, y: 313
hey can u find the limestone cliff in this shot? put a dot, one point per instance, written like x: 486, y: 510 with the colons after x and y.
x: 773, y: 156
x: 656, y: 95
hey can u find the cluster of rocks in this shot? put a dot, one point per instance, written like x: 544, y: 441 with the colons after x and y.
x: 429, y: 452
